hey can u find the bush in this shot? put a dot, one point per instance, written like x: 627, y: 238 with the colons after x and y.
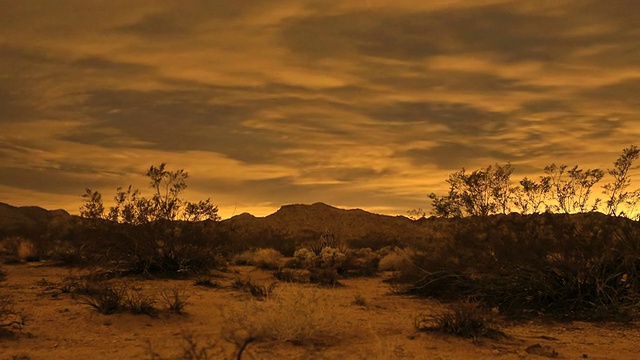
x: 293, y: 314
x: 175, y: 300
x: 582, y: 267
x: 18, y: 249
x: 104, y: 297
x: 258, y: 291
x: 460, y: 319
x: 269, y: 259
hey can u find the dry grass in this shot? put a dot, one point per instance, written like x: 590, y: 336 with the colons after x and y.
x: 460, y: 319
x: 295, y: 314
x: 269, y: 259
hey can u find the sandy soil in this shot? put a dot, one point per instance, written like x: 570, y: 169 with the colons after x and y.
x: 60, y: 327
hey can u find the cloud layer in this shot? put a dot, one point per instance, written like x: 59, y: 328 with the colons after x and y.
x: 274, y: 102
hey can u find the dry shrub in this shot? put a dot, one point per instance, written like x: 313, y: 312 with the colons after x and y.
x: 396, y: 260
x: 10, y: 318
x: 294, y: 313
x: 258, y: 291
x: 460, y: 319
x: 175, y: 300
x: 106, y: 298
x: 269, y: 259
x: 18, y: 249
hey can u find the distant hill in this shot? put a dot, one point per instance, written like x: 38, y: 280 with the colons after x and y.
x: 28, y: 221
x: 295, y: 224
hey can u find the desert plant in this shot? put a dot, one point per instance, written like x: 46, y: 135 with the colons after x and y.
x: 294, y: 314
x: 138, y: 303
x: 616, y: 190
x: 258, y: 291
x: 106, y: 298
x: 175, y: 300
x: 265, y: 258
x: 460, y: 319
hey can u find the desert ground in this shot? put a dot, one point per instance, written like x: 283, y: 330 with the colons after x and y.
x: 362, y: 319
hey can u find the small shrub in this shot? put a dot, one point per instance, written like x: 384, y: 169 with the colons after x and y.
x: 138, y: 303
x: 267, y: 258
x: 18, y: 249
x: 461, y: 319
x: 293, y: 314
x: 256, y: 290
x: 359, y: 300
x: 292, y: 275
x: 104, y: 297
x: 10, y: 318
x: 396, y: 260
x: 175, y: 300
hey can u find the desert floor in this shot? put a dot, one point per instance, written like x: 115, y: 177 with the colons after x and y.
x: 59, y: 326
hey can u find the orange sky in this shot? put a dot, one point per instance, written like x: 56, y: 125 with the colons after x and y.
x: 365, y: 104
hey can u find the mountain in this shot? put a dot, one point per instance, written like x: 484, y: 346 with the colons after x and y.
x: 298, y: 223
x: 28, y: 221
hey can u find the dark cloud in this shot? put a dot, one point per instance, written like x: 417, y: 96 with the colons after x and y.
x: 452, y: 155
x: 460, y: 119
x: 60, y: 180
x: 505, y: 30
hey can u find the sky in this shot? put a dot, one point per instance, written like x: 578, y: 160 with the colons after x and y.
x: 359, y: 104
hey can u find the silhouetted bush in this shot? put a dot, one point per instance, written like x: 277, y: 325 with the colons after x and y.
x: 582, y: 266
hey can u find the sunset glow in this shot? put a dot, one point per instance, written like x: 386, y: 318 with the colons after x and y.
x: 366, y: 104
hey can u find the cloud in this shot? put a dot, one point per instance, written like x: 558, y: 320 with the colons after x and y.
x: 366, y: 104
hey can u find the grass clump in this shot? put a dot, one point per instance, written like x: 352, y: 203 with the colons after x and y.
x: 461, y: 319
x: 294, y: 314
x: 175, y: 300
x: 258, y: 291
x: 106, y: 298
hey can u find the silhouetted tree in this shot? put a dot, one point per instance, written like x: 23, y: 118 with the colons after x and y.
x: 572, y: 188
x: 621, y: 180
x: 166, y: 204
x: 482, y: 192
x: 530, y: 196
x: 93, y: 208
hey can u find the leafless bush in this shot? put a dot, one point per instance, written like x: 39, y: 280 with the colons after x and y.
x: 460, y: 319
x: 175, y: 300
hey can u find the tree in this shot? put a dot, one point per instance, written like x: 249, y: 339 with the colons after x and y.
x: 202, y: 210
x: 93, y: 208
x: 166, y: 204
x: 621, y: 180
x: 168, y: 186
x: 572, y: 188
x: 530, y: 196
x: 480, y: 193
x: 130, y: 207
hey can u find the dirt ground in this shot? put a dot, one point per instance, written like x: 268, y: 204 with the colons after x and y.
x: 379, y: 326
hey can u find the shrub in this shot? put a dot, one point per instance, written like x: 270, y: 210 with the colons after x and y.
x: 18, y: 249
x: 104, y: 297
x: 396, y: 260
x: 269, y: 259
x: 361, y: 262
x: 175, y: 300
x: 138, y: 303
x: 293, y: 314
x: 460, y: 319
x: 256, y: 290
x: 582, y: 267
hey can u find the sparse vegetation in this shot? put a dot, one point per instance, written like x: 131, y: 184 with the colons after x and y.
x: 258, y: 291
x: 175, y: 300
x: 296, y: 314
x: 269, y: 259
x: 460, y: 319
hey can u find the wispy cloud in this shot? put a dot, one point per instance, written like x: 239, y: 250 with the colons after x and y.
x: 366, y: 104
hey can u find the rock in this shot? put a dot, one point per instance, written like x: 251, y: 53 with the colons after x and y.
x: 541, y: 350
